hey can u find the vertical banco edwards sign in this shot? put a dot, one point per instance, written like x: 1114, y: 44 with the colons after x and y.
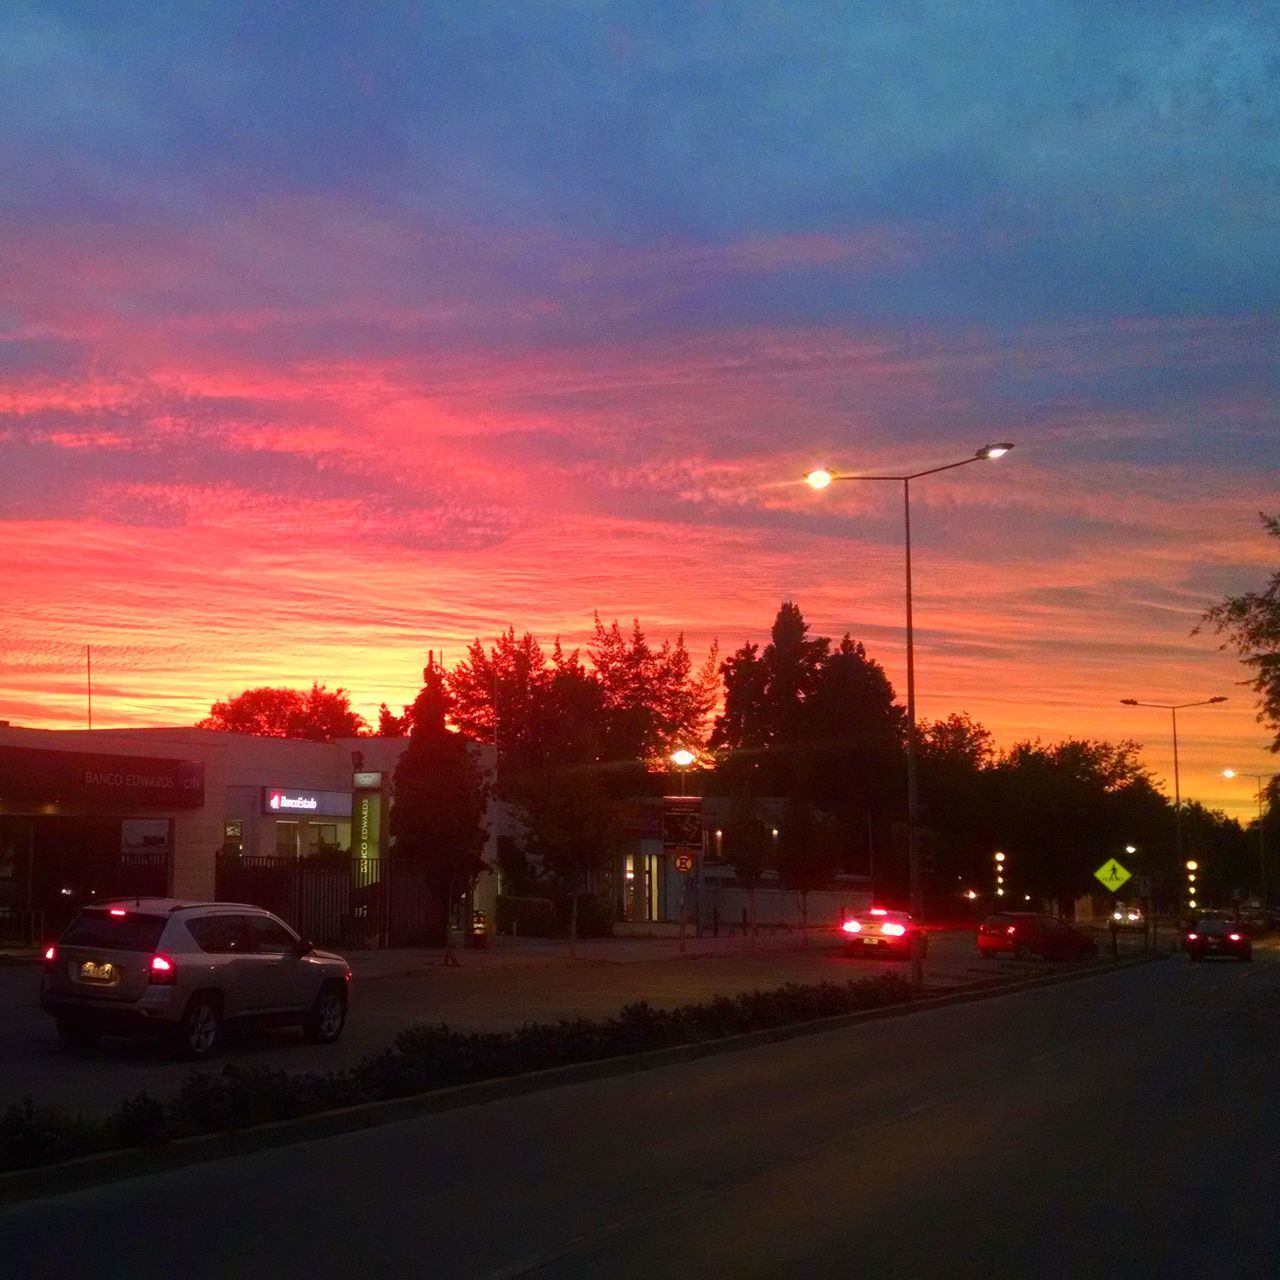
x: 366, y: 826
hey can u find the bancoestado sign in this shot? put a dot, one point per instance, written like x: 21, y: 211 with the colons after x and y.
x: 287, y: 802
x: 87, y: 778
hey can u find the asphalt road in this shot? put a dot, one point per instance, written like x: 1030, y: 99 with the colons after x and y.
x: 476, y: 997
x: 1121, y: 1125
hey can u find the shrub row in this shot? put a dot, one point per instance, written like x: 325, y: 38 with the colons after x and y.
x: 422, y: 1058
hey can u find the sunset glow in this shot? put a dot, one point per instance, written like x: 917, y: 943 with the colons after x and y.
x: 325, y: 343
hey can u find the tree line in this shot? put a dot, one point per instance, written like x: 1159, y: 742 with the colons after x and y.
x: 812, y: 722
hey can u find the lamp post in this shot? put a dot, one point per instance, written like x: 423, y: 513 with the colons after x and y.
x: 1262, y: 846
x: 682, y: 758
x: 1173, y: 709
x: 821, y: 479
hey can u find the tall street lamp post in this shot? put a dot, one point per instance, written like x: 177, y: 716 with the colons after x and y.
x: 1262, y: 846
x: 682, y: 758
x: 1173, y: 709
x: 821, y: 479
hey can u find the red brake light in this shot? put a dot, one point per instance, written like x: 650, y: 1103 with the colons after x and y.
x: 1235, y: 937
x: 878, y: 911
x: 1011, y: 928
x: 117, y: 911
x: 50, y: 954
x: 163, y: 972
x: 1191, y: 937
x: 894, y: 930
x: 851, y: 926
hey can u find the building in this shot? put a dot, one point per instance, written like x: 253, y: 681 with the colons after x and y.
x: 196, y: 813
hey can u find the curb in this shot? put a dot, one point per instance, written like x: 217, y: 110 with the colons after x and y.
x: 113, y: 1166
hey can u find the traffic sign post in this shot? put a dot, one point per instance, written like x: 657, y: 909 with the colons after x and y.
x: 683, y: 863
x: 1112, y: 875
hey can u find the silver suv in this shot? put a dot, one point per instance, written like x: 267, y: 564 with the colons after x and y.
x: 187, y: 970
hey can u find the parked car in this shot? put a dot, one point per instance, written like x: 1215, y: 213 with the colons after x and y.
x: 1024, y: 934
x: 1127, y: 916
x: 1216, y: 937
x: 187, y: 971
x: 882, y: 932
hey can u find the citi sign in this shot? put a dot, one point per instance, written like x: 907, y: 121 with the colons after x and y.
x: 281, y: 800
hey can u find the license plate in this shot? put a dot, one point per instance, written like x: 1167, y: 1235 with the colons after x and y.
x: 92, y: 971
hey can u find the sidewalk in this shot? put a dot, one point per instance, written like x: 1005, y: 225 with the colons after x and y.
x: 553, y: 953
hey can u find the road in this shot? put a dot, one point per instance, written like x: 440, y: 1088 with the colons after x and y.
x: 487, y: 994
x: 1121, y: 1125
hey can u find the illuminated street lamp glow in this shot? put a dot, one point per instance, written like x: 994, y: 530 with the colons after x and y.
x: 821, y: 478
x: 683, y: 758
x: 1192, y: 865
x: 999, y: 857
x: 1262, y: 839
x: 1129, y: 848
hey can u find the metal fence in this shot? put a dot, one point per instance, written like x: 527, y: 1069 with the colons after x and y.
x: 370, y: 902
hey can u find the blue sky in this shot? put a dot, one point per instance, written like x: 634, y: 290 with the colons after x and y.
x: 562, y: 297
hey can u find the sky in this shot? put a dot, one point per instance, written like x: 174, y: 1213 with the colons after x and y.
x: 332, y: 334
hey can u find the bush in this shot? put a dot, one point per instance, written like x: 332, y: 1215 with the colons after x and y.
x: 31, y: 1135
x: 422, y: 1058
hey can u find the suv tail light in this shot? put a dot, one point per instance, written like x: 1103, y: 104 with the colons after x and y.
x: 893, y: 930
x: 851, y: 926
x: 50, y: 955
x: 163, y: 972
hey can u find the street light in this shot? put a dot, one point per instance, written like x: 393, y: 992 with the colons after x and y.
x: 822, y: 478
x: 1262, y: 847
x: 1174, y: 708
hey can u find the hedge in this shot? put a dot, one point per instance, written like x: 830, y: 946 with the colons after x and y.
x: 421, y: 1058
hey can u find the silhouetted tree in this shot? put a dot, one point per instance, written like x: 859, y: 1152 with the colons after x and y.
x: 441, y: 795
x: 391, y: 725
x: 317, y: 715
x: 1251, y: 623
x: 572, y: 827
x: 652, y: 700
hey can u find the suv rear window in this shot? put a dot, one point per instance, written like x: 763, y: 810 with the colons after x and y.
x: 1216, y: 928
x: 100, y: 929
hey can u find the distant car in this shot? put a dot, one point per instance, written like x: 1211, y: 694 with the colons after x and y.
x: 1216, y: 937
x: 1024, y: 934
x: 882, y: 932
x: 186, y: 971
x: 1126, y: 916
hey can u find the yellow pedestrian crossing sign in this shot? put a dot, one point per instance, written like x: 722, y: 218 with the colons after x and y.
x: 1112, y: 874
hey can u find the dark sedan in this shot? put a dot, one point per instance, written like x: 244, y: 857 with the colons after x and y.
x: 1215, y: 937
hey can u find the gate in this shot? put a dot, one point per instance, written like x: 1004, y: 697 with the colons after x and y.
x: 370, y: 902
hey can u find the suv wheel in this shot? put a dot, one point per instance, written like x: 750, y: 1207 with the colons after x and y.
x: 200, y: 1031
x: 75, y: 1034
x: 1022, y: 952
x: 328, y: 1016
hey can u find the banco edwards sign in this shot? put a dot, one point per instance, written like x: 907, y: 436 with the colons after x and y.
x: 92, y: 778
